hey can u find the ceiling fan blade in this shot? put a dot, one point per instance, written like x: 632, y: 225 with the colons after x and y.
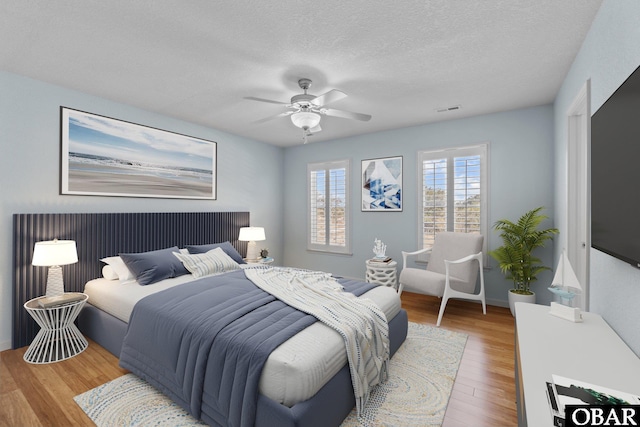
x: 253, y: 98
x: 327, y: 98
x: 266, y: 119
x: 346, y: 114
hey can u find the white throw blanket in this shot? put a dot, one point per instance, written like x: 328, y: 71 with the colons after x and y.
x: 361, y: 323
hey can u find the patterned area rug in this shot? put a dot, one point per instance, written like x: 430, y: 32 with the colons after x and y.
x: 421, y: 376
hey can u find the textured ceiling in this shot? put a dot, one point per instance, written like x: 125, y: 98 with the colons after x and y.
x: 398, y: 61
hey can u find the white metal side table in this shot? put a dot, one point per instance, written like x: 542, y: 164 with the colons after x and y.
x: 382, y: 273
x: 58, y: 338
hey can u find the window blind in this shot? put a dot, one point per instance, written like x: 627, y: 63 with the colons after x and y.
x: 329, y: 206
x: 454, y: 186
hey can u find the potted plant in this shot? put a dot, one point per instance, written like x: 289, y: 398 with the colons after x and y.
x: 515, y: 256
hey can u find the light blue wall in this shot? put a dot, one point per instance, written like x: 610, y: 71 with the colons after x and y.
x: 609, y: 54
x: 249, y: 172
x: 520, y: 174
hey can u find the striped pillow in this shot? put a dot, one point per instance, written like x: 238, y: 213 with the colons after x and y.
x: 214, y: 261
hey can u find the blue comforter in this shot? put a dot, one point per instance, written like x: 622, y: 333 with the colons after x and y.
x: 204, y: 343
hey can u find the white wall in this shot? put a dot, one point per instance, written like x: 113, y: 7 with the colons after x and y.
x: 609, y: 54
x: 521, y: 178
x: 249, y: 172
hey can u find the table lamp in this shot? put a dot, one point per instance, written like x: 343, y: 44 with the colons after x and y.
x: 53, y: 254
x: 251, y: 235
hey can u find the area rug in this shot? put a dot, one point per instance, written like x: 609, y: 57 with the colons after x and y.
x: 421, y: 376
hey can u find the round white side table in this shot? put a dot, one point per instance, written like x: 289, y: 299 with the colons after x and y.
x: 382, y: 273
x: 58, y: 338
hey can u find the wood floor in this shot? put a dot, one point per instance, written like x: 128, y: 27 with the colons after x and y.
x: 483, y: 394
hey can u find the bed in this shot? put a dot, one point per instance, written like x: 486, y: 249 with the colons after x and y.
x: 303, y: 384
x: 284, y: 399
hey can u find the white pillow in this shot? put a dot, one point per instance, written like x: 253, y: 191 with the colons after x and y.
x: 109, y: 273
x: 214, y: 261
x: 120, y: 269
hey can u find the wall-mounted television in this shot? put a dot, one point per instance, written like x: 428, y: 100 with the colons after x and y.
x: 615, y: 173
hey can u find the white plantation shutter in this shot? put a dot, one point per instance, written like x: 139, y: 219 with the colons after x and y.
x: 317, y: 211
x: 434, y: 199
x: 467, y: 197
x: 328, y: 220
x: 454, y: 192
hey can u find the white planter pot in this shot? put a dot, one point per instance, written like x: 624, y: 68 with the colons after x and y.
x: 514, y: 298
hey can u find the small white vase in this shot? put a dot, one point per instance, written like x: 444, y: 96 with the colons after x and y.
x: 513, y: 298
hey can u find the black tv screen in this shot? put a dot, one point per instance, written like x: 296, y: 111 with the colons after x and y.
x: 615, y: 173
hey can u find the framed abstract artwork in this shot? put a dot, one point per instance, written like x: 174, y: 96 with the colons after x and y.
x: 382, y: 184
x: 108, y: 157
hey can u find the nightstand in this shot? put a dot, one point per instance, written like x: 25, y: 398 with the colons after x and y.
x: 382, y: 273
x: 58, y: 338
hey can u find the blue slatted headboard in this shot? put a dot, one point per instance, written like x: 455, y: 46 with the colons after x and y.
x: 100, y: 235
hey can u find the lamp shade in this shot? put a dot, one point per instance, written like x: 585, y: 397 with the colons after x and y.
x: 305, y: 119
x: 248, y: 234
x: 54, y: 252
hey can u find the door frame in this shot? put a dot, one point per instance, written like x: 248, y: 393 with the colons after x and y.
x: 579, y: 188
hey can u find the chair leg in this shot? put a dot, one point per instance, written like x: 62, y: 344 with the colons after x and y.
x: 481, y: 295
x: 443, y: 304
x: 400, y: 287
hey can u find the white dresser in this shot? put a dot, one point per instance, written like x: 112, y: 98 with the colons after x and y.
x: 589, y: 351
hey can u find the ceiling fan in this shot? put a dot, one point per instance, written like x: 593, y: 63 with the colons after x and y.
x: 306, y: 109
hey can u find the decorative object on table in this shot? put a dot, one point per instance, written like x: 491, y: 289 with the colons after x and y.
x: 564, y: 393
x: 105, y: 156
x: 252, y: 235
x: 515, y: 256
x: 264, y: 253
x: 421, y: 378
x: 380, y: 261
x: 379, y: 249
x: 382, y: 184
x: 53, y: 254
x: 58, y: 300
x: 565, y: 283
x: 566, y: 286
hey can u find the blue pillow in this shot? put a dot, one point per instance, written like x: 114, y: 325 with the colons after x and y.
x: 153, y: 266
x: 225, y: 246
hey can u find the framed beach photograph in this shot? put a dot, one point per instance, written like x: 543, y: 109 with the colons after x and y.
x: 108, y: 157
x: 382, y: 184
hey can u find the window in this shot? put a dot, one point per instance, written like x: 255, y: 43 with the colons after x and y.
x: 328, y: 228
x: 454, y: 192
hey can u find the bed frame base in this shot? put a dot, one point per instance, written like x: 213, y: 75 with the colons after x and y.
x: 329, y: 407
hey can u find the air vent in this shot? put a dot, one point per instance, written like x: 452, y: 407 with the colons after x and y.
x: 446, y: 109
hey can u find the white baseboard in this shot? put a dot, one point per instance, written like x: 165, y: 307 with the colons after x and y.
x: 5, y: 345
x: 498, y: 303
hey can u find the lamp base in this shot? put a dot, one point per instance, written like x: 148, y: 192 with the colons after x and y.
x: 55, y: 285
x: 252, y: 251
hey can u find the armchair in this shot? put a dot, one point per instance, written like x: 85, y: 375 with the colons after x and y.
x: 451, y: 271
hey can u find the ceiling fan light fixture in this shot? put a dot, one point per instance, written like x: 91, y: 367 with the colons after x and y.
x: 305, y: 119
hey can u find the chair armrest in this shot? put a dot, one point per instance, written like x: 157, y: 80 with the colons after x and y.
x: 468, y: 258
x: 408, y: 254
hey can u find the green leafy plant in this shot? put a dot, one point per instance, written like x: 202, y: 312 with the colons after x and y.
x: 519, y: 240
